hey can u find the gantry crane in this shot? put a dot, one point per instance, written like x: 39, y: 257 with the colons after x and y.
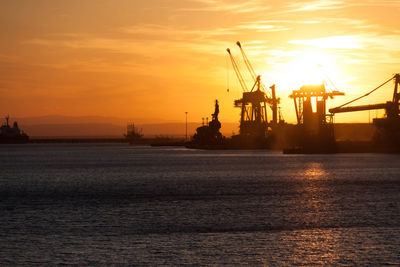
x: 314, y: 132
x: 303, y: 103
x: 271, y: 98
x: 253, y: 116
x: 253, y: 104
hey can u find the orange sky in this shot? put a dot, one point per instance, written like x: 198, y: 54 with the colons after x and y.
x: 156, y: 59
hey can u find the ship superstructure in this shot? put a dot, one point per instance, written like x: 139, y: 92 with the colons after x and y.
x: 12, y: 135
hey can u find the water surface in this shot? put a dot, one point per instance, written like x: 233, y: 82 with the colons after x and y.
x: 119, y: 204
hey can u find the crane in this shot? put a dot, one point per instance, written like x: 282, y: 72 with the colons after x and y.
x: 314, y: 132
x: 270, y: 98
x: 389, y: 127
x: 253, y: 117
x: 302, y: 101
x: 391, y: 107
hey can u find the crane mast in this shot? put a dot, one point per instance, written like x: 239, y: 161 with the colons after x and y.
x: 396, y: 93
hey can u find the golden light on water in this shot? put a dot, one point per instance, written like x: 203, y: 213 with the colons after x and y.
x: 314, y: 171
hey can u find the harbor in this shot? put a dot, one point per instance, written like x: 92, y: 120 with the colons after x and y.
x: 314, y: 132
x: 199, y: 133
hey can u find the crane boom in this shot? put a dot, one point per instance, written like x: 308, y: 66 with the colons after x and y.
x: 247, y: 62
x: 250, y: 68
x: 391, y: 107
x: 237, y: 71
x: 358, y: 108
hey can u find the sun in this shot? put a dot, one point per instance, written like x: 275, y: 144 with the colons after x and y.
x: 304, y: 67
x: 307, y: 68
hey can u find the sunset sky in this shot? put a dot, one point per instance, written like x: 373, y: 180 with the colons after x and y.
x: 153, y: 60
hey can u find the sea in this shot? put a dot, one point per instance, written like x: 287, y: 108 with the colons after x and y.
x: 115, y: 204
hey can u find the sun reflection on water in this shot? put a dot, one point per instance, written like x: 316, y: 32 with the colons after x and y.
x: 316, y: 203
x: 314, y: 170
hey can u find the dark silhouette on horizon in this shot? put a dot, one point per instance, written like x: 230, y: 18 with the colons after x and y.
x: 209, y: 134
x: 133, y: 134
x: 12, y: 135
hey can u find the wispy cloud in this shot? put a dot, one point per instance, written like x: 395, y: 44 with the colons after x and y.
x: 373, y: 3
x: 315, y: 5
x: 321, y: 5
x: 341, y: 42
x: 367, y: 41
x: 146, y: 39
x: 264, y: 26
x: 228, y: 6
x: 152, y: 31
x: 367, y: 48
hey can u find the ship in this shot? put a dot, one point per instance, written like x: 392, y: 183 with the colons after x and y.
x: 208, y: 136
x: 133, y: 134
x: 12, y: 135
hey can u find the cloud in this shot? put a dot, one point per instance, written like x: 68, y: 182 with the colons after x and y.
x: 152, y: 31
x: 264, y: 26
x: 373, y: 3
x: 366, y: 41
x: 368, y: 48
x: 228, y: 6
x: 315, y: 6
x: 341, y: 42
x: 151, y: 40
x: 320, y: 5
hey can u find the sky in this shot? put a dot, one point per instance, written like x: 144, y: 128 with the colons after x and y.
x: 155, y: 60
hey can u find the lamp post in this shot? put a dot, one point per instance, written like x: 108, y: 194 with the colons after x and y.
x: 186, y: 126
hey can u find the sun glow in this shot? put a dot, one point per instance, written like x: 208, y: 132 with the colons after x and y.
x: 337, y: 42
x: 304, y: 68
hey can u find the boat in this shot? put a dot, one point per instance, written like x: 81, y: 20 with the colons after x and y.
x: 12, y: 135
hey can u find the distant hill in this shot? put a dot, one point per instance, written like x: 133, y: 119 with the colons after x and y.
x: 59, y: 119
x: 97, y: 126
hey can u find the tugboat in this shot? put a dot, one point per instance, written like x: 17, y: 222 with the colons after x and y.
x: 12, y: 135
